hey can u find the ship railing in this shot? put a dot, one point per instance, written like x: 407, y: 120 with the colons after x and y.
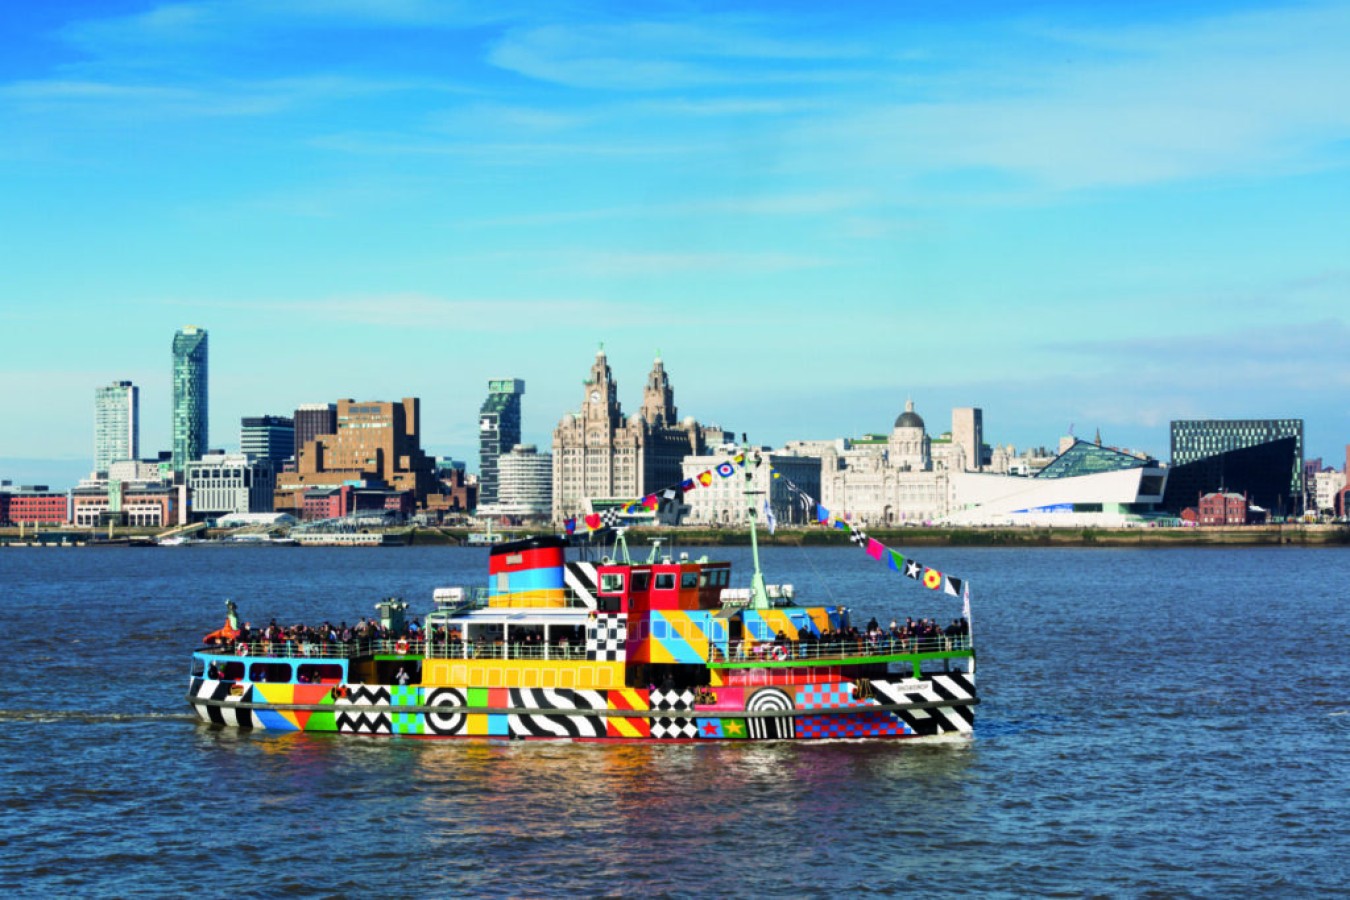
x: 787, y: 651
x: 320, y: 649
x: 485, y: 649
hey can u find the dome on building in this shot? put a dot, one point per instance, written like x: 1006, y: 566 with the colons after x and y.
x: 909, y: 418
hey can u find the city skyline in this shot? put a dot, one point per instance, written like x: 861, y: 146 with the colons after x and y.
x: 1060, y: 215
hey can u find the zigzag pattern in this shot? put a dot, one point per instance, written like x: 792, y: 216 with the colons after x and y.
x: 364, y: 723
x: 365, y: 695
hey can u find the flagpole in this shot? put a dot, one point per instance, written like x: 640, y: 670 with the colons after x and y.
x: 758, y: 593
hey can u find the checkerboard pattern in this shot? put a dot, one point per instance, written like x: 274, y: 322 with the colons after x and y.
x: 825, y: 696
x: 606, y: 636
x: 858, y: 725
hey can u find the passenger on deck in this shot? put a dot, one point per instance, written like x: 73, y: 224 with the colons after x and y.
x: 213, y: 672
x: 402, y: 677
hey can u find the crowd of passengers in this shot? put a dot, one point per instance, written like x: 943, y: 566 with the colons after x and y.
x: 913, y: 635
x: 370, y: 634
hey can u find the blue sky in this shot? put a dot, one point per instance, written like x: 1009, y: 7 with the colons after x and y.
x: 1060, y: 214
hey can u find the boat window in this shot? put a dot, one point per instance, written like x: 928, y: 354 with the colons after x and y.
x: 665, y: 581
x: 270, y: 672
x: 703, y: 579
x: 642, y: 580
x: 689, y: 580
x: 320, y: 673
x: 198, y: 667
x: 658, y: 629
x: 232, y: 671
x: 611, y: 583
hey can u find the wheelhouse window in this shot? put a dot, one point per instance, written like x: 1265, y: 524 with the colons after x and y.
x: 689, y: 580
x: 665, y: 581
x: 642, y: 581
x: 611, y: 583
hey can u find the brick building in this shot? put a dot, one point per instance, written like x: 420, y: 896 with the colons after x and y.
x: 1222, y: 508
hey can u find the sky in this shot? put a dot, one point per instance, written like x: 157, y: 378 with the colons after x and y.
x: 1097, y: 217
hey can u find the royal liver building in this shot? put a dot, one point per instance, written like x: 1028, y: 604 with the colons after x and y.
x: 600, y: 455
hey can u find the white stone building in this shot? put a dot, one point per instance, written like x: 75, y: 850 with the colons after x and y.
x: 723, y: 501
x: 220, y: 483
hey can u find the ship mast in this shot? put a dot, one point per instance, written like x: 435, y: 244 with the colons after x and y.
x: 759, y: 596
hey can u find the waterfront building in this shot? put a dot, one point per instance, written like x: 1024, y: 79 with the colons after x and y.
x: 32, y: 504
x: 789, y: 481
x: 339, y: 502
x: 229, y: 483
x: 887, y: 479
x: 525, y: 490
x: 1196, y: 441
x: 1326, y: 486
x: 1085, y: 485
x: 312, y: 420
x: 143, y: 505
x: 267, y: 437
x: 376, y: 443
x: 1222, y: 508
x: 190, y: 407
x: 598, y: 454
x: 117, y: 424
x: 968, y: 437
x: 498, y: 432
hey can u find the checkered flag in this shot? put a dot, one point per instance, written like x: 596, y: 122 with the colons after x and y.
x: 859, y: 537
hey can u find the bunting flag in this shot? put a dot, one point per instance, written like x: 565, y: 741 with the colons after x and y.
x: 840, y: 524
x: 571, y: 525
x: 822, y: 514
x: 859, y: 537
x: 651, y: 501
x: 875, y: 549
x: 953, y: 586
x: 687, y: 485
x: 726, y: 470
x: 895, y: 561
x: 592, y: 521
x: 705, y: 478
x: 739, y: 459
x: 913, y: 569
x: 932, y: 579
x: 670, y: 493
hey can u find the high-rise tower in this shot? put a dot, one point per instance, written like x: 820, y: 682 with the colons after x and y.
x: 117, y: 424
x: 498, y: 432
x: 189, y: 397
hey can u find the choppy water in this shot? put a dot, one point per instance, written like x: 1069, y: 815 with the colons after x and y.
x: 1155, y: 722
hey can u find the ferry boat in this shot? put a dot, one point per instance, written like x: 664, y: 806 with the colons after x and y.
x: 604, y: 649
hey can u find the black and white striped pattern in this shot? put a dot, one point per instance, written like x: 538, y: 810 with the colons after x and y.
x: 582, y: 578
x: 607, y: 638
x: 934, y: 688
x: 771, y: 727
x: 557, y: 726
x: 228, y: 714
x: 451, y: 721
x: 555, y: 698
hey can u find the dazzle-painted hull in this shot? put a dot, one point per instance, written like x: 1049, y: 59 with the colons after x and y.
x: 938, y: 704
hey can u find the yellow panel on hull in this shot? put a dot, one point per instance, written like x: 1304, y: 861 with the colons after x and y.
x: 521, y: 673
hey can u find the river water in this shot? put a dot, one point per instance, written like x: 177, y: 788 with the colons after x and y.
x: 1168, y: 722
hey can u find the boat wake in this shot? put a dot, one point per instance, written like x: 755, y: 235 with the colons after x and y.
x: 45, y: 716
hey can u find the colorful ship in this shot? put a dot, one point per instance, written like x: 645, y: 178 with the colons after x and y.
x: 603, y: 649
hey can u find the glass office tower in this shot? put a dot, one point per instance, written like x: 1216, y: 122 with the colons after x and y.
x: 498, y: 432
x: 189, y: 397
x: 117, y: 424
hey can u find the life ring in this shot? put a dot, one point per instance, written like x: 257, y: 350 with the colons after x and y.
x: 780, y: 652
x: 242, y: 649
x: 339, y: 692
x: 401, y: 646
